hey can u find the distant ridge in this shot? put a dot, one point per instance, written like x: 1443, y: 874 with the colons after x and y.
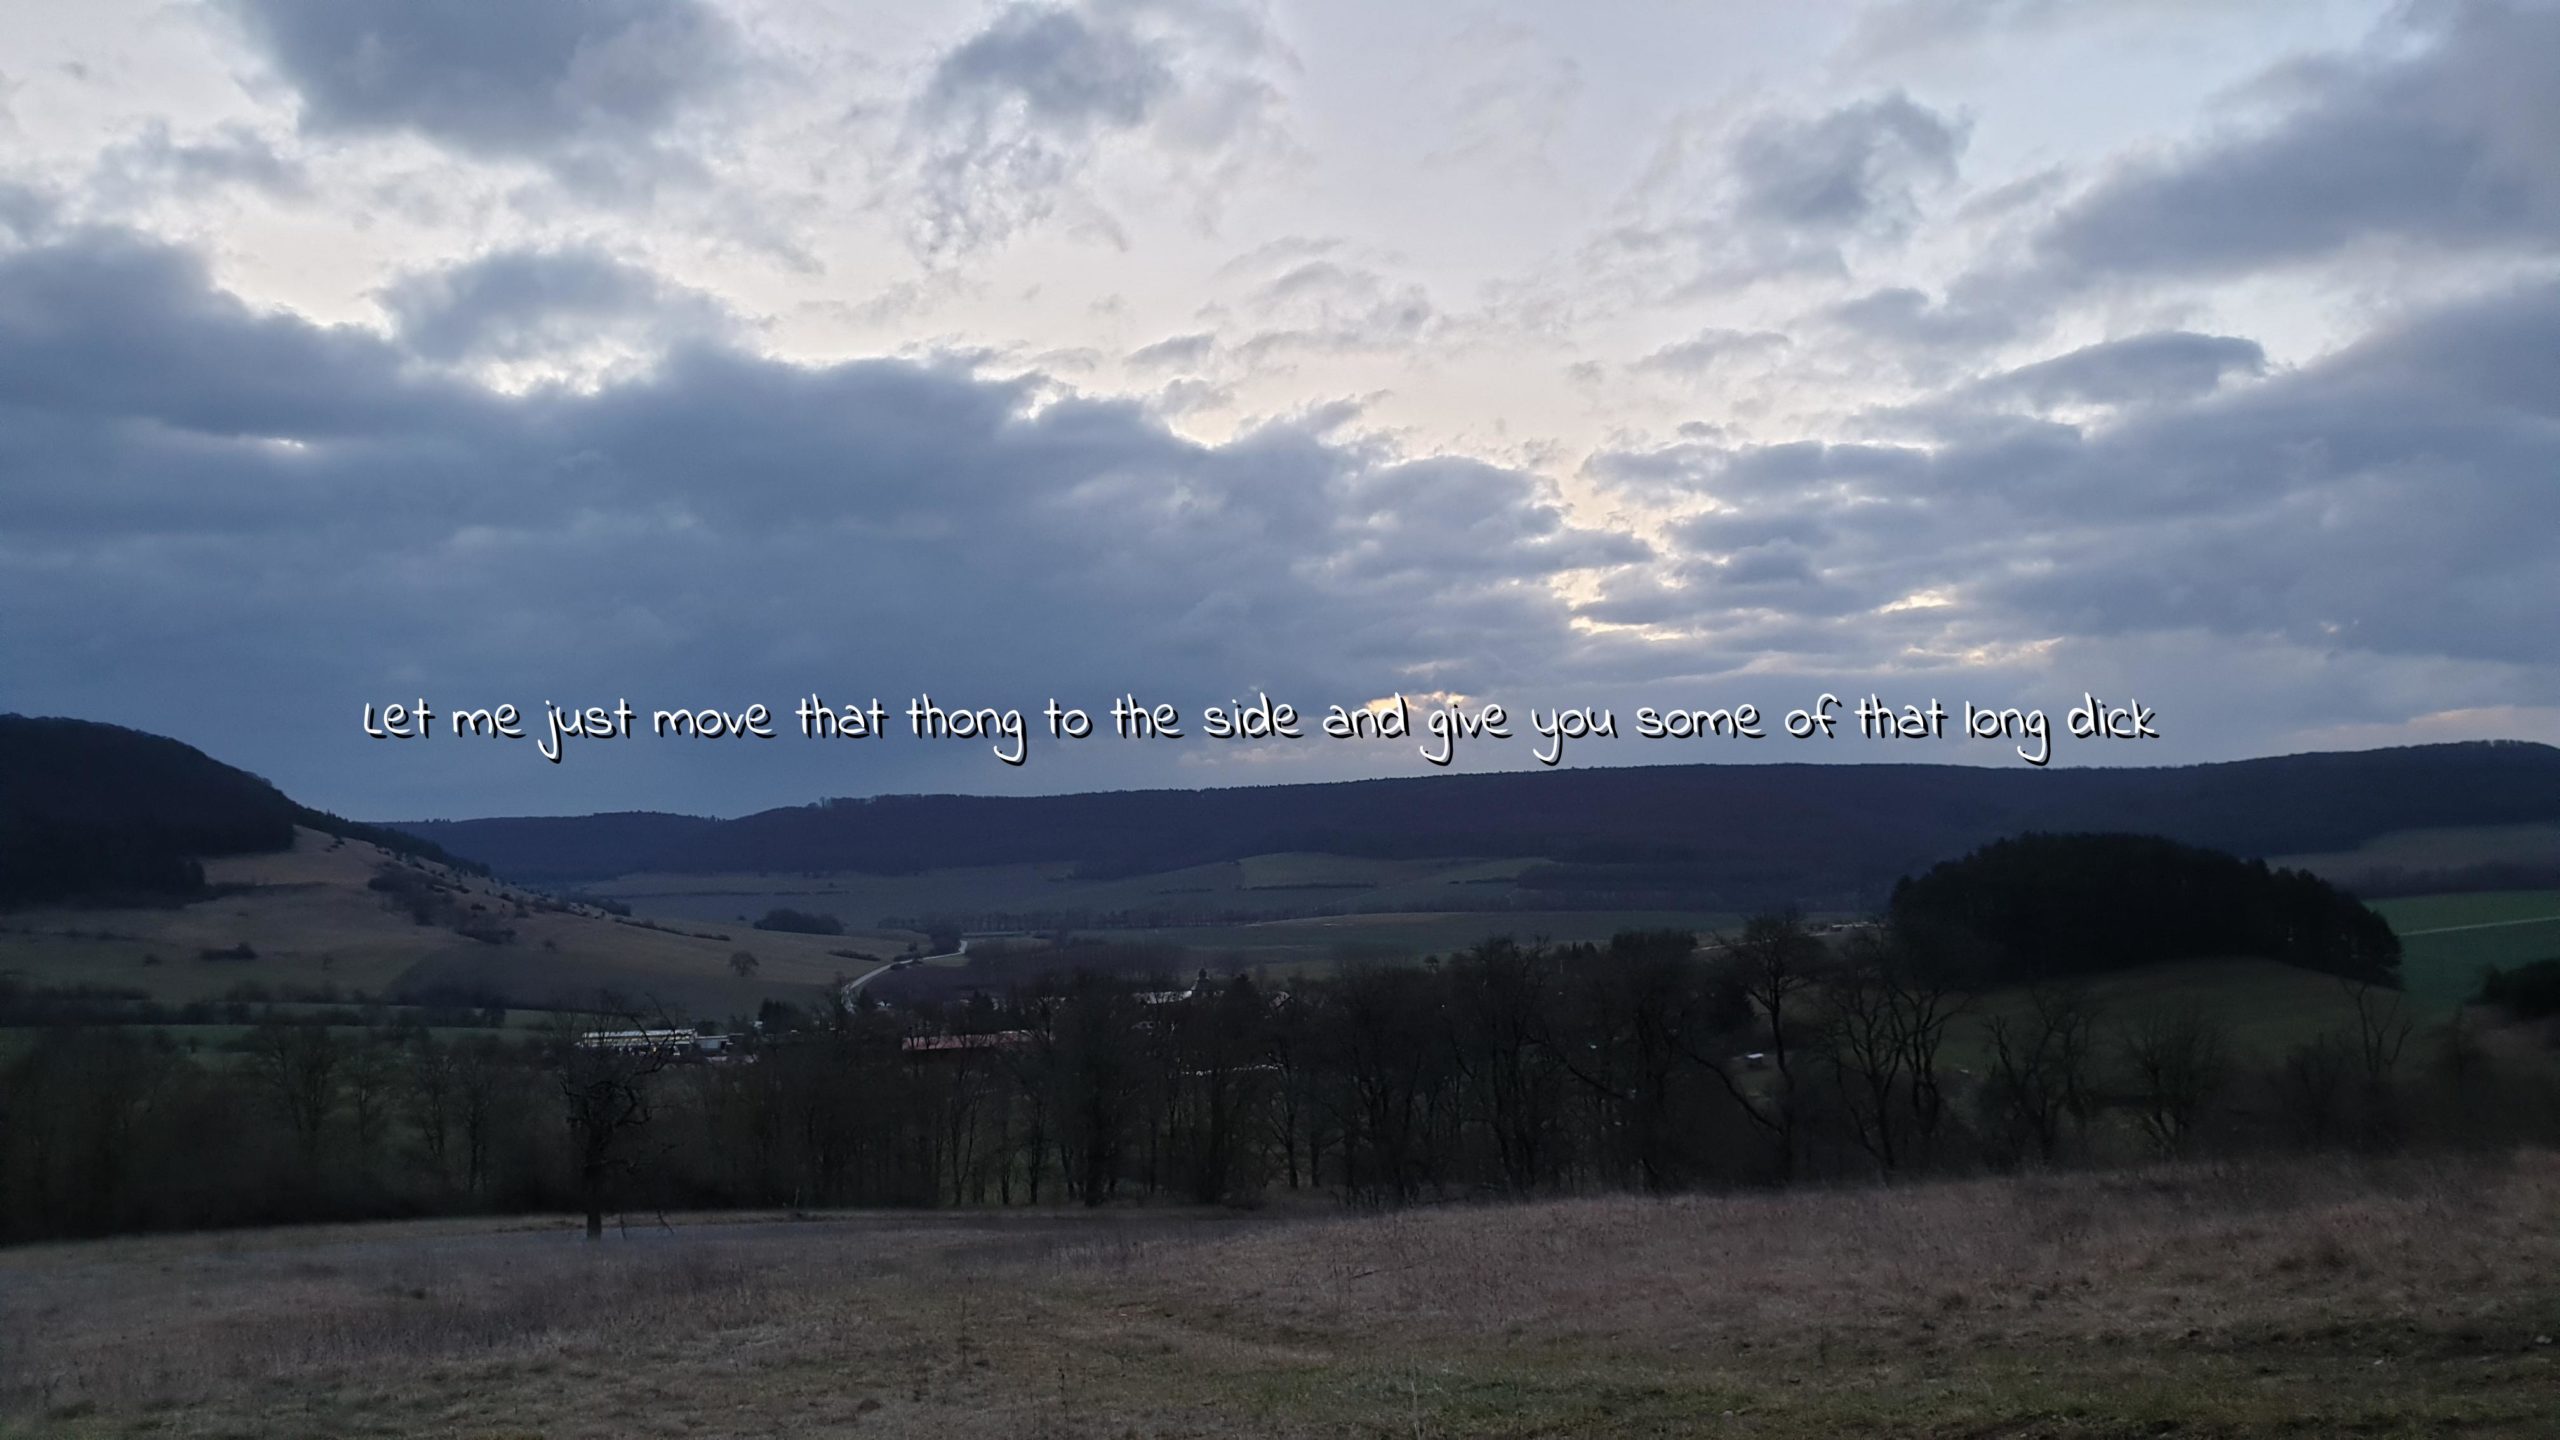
x: 1820, y: 833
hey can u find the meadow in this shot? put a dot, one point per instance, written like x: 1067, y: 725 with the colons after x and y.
x: 2414, y: 1297
x: 1048, y: 895
x: 2448, y: 940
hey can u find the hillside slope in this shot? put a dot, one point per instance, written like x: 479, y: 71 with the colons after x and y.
x: 136, y: 870
x: 88, y: 809
x: 331, y: 920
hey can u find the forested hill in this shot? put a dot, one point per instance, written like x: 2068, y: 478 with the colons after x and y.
x: 92, y: 810
x: 1814, y: 832
x: 2037, y: 907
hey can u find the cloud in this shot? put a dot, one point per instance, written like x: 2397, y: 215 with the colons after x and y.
x: 2455, y: 147
x: 156, y: 160
x: 1063, y: 69
x: 1010, y: 119
x: 1943, y: 329
x: 1903, y: 26
x: 718, y: 526
x: 1857, y: 168
x: 1336, y: 307
x: 1784, y: 193
x: 2363, y: 505
x: 1711, y: 348
x: 102, y: 325
x: 514, y: 305
x: 2142, y: 369
x: 1899, y: 29
x: 580, y: 85
x: 1175, y: 350
x: 24, y: 210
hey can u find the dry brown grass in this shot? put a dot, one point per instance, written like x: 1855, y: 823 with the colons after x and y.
x: 314, y: 924
x: 2311, y: 1300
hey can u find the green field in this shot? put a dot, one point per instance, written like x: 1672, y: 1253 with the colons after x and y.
x: 1321, y: 941
x: 2264, y: 1008
x: 2448, y: 940
x: 1051, y: 895
x: 1285, y: 912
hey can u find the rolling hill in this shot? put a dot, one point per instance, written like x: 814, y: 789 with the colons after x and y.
x: 136, y: 871
x: 100, y: 811
x: 1732, y: 836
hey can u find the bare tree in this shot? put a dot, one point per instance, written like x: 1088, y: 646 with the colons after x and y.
x: 367, y: 1073
x: 298, y: 1065
x: 2040, y: 1067
x: 1635, y: 1018
x: 1777, y: 963
x: 429, y: 1079
x: 2312, y: 1083
x: 1867, y: 1056
x: 2382, y: 1028
x: 484, y: 1091
x: 2179, y: 1058
x: 1513, y: 1083
x: 604, y: 1080
x: 1924, y: 1005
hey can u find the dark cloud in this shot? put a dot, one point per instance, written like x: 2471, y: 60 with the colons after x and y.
x: 24, y: 210
x: 1065, y: 70
x: 2142, y: 369
x: 202, y: 489
x: 103, y: 328
x: 1781, y: 194
x: 567, y: 82
x: 2367, y: 504
x: 523, y: 304
x: 1011, y: 117
x: 1859, y: 167
x: 2456, y: 146
x: 1935, y: 335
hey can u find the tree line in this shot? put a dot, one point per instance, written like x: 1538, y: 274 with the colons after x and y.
x: 1651, y: 1063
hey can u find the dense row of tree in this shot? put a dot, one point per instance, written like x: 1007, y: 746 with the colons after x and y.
x: 1650, y: 1063
x: 2039, y: 906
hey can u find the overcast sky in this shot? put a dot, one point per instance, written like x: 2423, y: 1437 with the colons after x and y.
x: 1668, y: 352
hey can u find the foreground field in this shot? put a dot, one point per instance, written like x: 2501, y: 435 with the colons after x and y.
x: 2316, y: 1300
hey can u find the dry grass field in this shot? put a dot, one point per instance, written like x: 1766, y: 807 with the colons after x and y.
x: 2310, y: 1300
x: 313, y: 924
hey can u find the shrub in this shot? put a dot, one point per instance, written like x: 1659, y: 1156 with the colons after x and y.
x: 2530, y: 991
x: 800, y: 922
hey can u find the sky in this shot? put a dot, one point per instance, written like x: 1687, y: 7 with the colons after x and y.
x: 1668, y: 353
